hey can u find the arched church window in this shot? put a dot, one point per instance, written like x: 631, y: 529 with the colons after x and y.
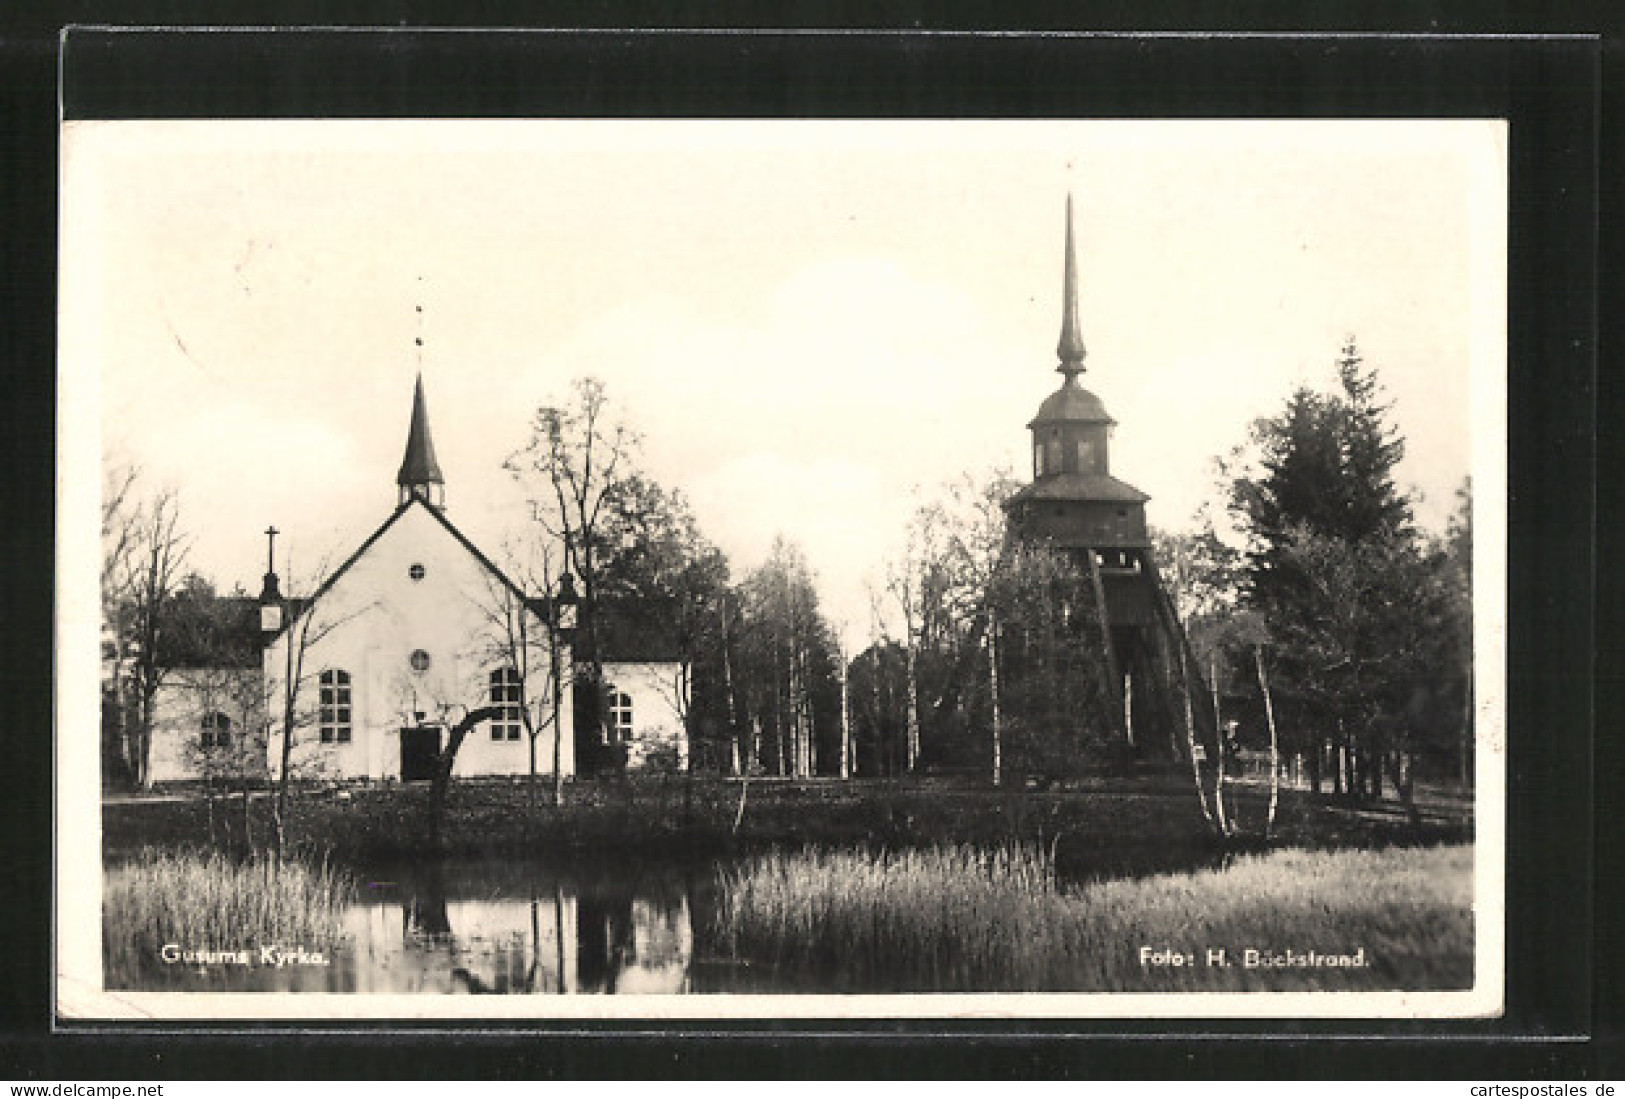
x: 618, y: 726
x: 216, y: 730
x: 333, y: 709
x: 420, y: 660
x: 507, y: 694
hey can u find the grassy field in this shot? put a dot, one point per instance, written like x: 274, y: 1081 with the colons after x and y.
x: 960, y: 918
x: 1092, y: 822
x: 207, y: 902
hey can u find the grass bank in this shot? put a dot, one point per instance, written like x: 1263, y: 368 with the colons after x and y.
x: 206, y: 902
x: 957, y: 918
x: 1094, y: 821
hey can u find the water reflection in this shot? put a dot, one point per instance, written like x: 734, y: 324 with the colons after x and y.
x: 608, y: 926
x: 483, y: 928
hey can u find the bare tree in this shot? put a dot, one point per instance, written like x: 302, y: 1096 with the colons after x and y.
x: 121, y: 518
x: 307, y: 624
x: 517, y: 625
x: 957, y: 546
x: 787, y: 662
x: 1275, y: 744
x: 727, y: 629
x: 157, y: 549
x: 979, y: 550
x: 227, y: 707
x: 881, y: 670
x: 996, y: 715
x: 440, y: 784
x: 577, y: 461
x: 1187, y: 595
x: 121, y: 513
x: 446, y: 704
x: 1054, y: 706
x: 914, y: 582
x: 841, y: 662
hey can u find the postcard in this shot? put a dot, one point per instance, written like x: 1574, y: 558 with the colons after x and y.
x: 724, y: 569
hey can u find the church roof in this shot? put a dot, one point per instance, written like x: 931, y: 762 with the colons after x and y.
x: 1071, y: 404
x: 628, y: 637
x: 418, y: 466
x: 1101, y: 487
x: 204, y: 630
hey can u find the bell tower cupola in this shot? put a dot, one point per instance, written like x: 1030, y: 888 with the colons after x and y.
x: 1072, y: 428
x: 1074, y: 501
x: 420, y: 473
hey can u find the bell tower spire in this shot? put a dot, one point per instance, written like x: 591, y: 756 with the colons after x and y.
x: 420, y: 473
x: 1070, y: 349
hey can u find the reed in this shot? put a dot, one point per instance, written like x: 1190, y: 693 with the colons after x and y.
x: 968, y: 919
x: 206, y: 901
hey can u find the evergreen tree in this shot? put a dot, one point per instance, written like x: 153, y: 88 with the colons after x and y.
x: 1369, y: 449
x: 1355, y: 608
x: 1300, y: 482
x: 1327, y: 466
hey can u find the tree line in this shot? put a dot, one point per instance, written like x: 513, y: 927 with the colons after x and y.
x: 1327, y: 623
x: 1318, y: 616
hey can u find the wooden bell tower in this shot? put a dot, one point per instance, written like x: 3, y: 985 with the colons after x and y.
x: 1076, y: 506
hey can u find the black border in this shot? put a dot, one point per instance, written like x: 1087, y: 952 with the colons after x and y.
x: 1550, y: 90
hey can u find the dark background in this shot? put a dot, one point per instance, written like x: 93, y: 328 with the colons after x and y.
x: 1561, y: 1008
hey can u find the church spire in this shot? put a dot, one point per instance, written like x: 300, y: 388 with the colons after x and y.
x: 420, y: 473
x: 1070, y: 349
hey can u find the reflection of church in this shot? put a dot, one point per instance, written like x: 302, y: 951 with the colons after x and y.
x: 548, y: 935
x: 1075, y: 505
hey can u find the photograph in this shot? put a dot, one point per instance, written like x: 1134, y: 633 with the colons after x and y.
x: 807, y: 568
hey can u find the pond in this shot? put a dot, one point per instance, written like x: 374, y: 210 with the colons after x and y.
x: 602, y: 926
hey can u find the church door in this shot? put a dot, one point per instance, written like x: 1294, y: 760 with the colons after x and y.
x: 419, y: 747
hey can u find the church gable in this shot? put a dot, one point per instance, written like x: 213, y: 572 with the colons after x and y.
x: 415, y: 558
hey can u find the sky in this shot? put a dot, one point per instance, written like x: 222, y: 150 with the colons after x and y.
x: 810, y: 323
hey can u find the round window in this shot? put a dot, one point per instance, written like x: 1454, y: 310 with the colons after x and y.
x: 420, y: 660
x: 415, y: 572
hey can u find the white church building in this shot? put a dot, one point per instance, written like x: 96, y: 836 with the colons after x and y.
x: 415, y: 631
